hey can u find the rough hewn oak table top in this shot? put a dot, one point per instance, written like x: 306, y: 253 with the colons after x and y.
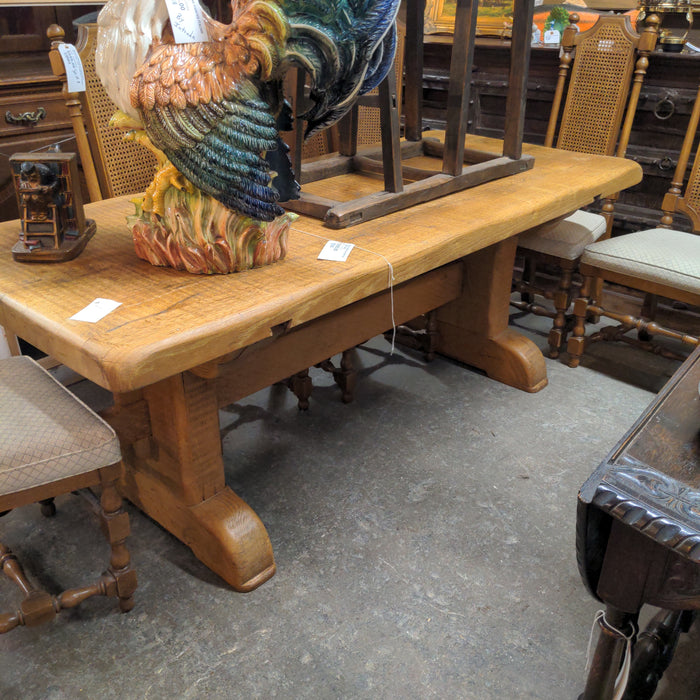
x: 170, y: 321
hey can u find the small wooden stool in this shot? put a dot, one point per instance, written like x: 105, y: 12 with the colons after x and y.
x: 50, y: 444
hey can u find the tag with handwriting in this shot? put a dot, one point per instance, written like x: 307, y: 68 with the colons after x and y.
x: 187, y: 21
x: 335, y: 250
x: 96, y: 310
x: 75, y: 76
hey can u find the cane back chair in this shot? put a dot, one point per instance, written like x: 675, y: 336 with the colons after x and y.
x: 52, y: 444
x: 660, y: 262
x: 607, y: 64
x: 112, y: 165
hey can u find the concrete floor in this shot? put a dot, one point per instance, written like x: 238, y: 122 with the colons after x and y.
x: 424, y: 539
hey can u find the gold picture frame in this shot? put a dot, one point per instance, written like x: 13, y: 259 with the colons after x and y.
x: 495, y: 17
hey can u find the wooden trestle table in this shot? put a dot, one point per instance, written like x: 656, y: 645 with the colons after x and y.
x: 180, y: 345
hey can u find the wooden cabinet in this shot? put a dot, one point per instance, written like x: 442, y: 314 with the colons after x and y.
x: 32, y: 112
x: 659, y: 127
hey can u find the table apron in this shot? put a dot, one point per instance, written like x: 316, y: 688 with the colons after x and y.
x: 282, y: 356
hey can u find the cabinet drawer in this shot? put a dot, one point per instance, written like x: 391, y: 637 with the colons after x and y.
x: 51, y: 102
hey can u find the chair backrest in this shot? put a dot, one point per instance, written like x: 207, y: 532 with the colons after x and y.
x: 687, y: 202
x: 609, y: 64
x: 121, y: 167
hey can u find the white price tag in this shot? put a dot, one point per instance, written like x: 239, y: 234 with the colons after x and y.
x: 75, y: 76
x: 187, y: 21
x: 96, y: 310
x: 552, y: 36
x: 335, y: 250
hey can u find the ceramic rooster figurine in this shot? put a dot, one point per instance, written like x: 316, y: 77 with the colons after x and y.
x: 214, y: 110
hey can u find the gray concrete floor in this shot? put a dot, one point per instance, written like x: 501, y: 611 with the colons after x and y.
x: 424, y: 539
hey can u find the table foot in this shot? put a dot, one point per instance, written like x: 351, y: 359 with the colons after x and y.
x: 223, y: 531
x: 509, y: 357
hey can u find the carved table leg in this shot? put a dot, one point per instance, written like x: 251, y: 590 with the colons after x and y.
x: 175, y: 474
x: 474, y: 328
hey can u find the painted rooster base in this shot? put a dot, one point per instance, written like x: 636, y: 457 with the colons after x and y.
x: 213, y: 110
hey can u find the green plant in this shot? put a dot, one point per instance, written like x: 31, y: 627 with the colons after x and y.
x: 558, y: 19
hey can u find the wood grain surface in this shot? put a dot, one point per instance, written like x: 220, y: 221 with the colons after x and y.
x: 170, y: 321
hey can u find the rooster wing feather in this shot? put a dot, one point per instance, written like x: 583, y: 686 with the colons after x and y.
x: 212, y: 107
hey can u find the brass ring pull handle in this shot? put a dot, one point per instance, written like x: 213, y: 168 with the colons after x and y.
x: 26, y: 118
x: 664, y: 108
x: 666, y: 164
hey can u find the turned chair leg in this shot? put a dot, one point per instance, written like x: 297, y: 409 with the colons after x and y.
x: 653, y: 652
x: 562, y: 301
x: 48, y: 507
x: 431, y: 331
x: 301, y: 386
x: 576, y: 343
x: 119, y: 581
x: 648, y: 311
x: 528, y: 277
x: 115, y: 525
x: 346, y: 376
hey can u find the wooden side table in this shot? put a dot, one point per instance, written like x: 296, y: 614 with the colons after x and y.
x: 638, y: 537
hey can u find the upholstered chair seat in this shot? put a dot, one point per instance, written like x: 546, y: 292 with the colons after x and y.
x: 51, y: 443
x: 46, y: 433
x: 564, y: 238
x: 660, y: 256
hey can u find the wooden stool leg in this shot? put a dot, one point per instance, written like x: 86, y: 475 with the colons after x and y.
x: 115, y: 525
x: 612, y: 642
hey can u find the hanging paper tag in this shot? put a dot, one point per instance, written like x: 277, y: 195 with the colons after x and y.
x: 75, y: 76
x: 96, y: 310
x: 187, y: 21
x: 335, y: 250
x: 552, y: 36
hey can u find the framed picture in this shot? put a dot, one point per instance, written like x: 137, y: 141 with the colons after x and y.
x: 495, y: 17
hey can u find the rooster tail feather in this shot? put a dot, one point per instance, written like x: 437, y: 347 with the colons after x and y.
x: 381, y: 61
x: 278, y: 160
x: 347, y: 47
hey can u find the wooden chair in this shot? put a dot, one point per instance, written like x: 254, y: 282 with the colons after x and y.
x: 660, y: 261
x: 112, y: 165
x: 50, y: 444
x: 608, y: 63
